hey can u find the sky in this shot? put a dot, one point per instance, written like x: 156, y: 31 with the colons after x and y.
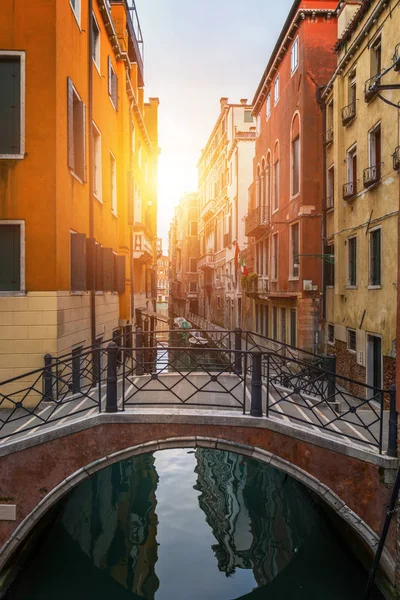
x: 195, y: 52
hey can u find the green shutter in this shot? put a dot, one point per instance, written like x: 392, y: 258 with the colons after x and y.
x: 10, y: 105
x: 10, y: 258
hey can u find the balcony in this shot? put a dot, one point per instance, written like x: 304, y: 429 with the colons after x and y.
x: 220, y: 257
x: 396, y: 58
x: 206, y: 261
x: 372, y: 175
x: 349, y: 190
x: 257, y: 220
x: 142, y: 246
x: 371, y: 87
x: 327, y: 137
x: 349, y: 113
x: 259, y: 287
x: 396, y: 159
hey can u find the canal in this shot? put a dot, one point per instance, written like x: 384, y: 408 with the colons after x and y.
x: 180, y: 524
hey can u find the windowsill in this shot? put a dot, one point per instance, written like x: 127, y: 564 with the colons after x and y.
x: 268, y: 117
x: 276, y: 103
x: 97, y: 66
x: 351, y: 287
x: 274, y: 211
x: 12, y: 294
x: 375, y: 287
x: 330, y: 343
x: 76, y: 17
x: 98, y: 199
x: 77, y: 293
x: 12, y: 156
x: 293, y: 278
x: 350, y: 122
x: 294, y: 71
x: 351, y: 351
x: 295, y: 196
x: 330, y: 287
x: 112, y: 104
x: 329, y: 210
x: 114, y: 214
x: 75, y: 176
x: 99, y: 293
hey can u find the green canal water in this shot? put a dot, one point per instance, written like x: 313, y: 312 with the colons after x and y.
x: 199, y: 525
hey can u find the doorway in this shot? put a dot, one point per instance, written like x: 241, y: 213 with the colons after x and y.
x: 374, y: 363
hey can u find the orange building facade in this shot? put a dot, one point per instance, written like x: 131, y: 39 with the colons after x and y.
x: 80, y: 147
x: 283, y: 225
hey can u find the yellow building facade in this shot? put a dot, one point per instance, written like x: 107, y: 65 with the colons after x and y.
x: 78, y: 147
x: 362, y: 193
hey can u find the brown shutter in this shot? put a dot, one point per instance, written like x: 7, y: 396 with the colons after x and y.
x: 109, y: 76
x: 114, y: 289
x: 114, y: 83
x: 84, y: 165
x: 78, y: 262
x: 90, y: 263
x: 121, y: 274
x: 70, y: 105
x: 99, y: 269
x: 108, y: 269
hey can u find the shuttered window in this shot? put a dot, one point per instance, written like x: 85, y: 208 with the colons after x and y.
x: 120, y: 264
x: 78, y: 262
x: 330, y: 266
x: 11, y: 109
x: 10, y: 258
x: 108, y: 269
x: 76, y: 132
x: 99, y: 269
x: 294, y: 238
x: 112, y: 84
x: 375, y: 243
x: 90, y: 264
x: 352, y: 261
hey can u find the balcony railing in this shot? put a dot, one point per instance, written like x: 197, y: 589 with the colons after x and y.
x: 371, y: 87
x: 396, y: 58
x: 349, y: 113
x: 220, y: 256
x: 349, y: 190
x: 206, y: 261
x: 257, y: 219
x: 372, y: 175
x: 327, y: 137
x: 396, y: 159
x: 259, y: 287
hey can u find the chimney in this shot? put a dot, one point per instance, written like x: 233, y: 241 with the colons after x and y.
x: 223, y: 102
x: 347, y: 10
x: 243, y: 101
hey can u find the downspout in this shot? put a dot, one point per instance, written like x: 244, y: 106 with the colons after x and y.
x: 91, y: 169
x: 322, y: 106
x: 133, y: 221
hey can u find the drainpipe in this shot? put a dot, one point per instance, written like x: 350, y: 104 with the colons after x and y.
x: 133, y: 221
x: 323, y: 216
x: 91, y: 169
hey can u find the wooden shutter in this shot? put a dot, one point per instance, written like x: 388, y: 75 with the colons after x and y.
x: 84, y: 166
x: 109, y: 77
x: 120, y: 288
x: 114, y: 84
x: 90, y: 264
x: 79, y: 139
x: 78, y: 262
x: 108, y: 269
x: 70, y: 107
x: 10, y: 105
x: 99, y: 269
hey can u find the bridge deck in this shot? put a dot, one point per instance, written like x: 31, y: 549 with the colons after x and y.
x: 195, y: 390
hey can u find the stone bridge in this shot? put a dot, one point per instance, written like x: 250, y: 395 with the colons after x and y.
x: 37, y: 471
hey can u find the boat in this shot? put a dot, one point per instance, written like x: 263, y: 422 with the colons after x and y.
x: 181, y: 323
x: 197, y: 340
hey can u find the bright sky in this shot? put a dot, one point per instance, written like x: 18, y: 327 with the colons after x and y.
x: 197, y: 51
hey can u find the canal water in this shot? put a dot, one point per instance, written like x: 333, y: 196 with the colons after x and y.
x: 184, y: 524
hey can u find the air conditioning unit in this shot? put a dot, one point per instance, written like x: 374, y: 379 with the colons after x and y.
x: 307, y: 285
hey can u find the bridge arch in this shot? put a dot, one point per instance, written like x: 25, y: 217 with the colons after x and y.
x: 362, y: 530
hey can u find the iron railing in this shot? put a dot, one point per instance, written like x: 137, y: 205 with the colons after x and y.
x: 225, y: 369
x: 372, y: 175
x: 258, y: 217
x: 396, y: 159
x: 349, y: 113
x: 349, y: 190
x: 327, y: 137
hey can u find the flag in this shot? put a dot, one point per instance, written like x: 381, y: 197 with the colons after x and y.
x: 243, y: 267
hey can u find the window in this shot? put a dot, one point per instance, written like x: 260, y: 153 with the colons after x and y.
x: 218, y: 301
x: 12, y: 259
x: 351, y: 340
x: 95, y: 42
x: 193, y: 287
x: 275, y: 322
x: 138, y: 242
x: 275, y: 256
x: 112, y: 85
x: 296, y: 166
x: 76, y: 7
x: 268, y: 105
x: 193, y: 227
x: 76, y: 133
x: 97, y: 170
x: 376, y: 57
x: 330, y: 266
x: 193, y: 265
x: 276, y: 90
x: 276, y: 184
x: 352, y: 90
x: 352, y: 171
x: 293, y: 327
x: 331, y: 333
x: 248, y: 116
x: 375, y: 248
x: 374, y: 153
x: 352, y: 261
x: 294, y: 57
x: 12, y: 104
x: 113, y: 179
x: 329, y: 116
x: 283, y: 325
x: 78, y: 261
x: 330, y: 188
x: 295, y: 250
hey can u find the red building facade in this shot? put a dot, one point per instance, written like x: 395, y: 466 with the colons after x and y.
x: 284, y: 221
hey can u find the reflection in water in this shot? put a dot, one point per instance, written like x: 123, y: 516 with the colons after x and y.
x: 227, y: 527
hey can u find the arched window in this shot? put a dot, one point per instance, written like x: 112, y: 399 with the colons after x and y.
x: 262, y: 186
x: 267, y: 180
x: 295, y: 155
x: 275, y: 205
x: 258, y: 186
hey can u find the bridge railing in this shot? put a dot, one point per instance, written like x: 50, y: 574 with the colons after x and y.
x: 223, y: 369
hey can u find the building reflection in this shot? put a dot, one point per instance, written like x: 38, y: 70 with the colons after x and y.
x: 112, y: 516
x: 259, y: 516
